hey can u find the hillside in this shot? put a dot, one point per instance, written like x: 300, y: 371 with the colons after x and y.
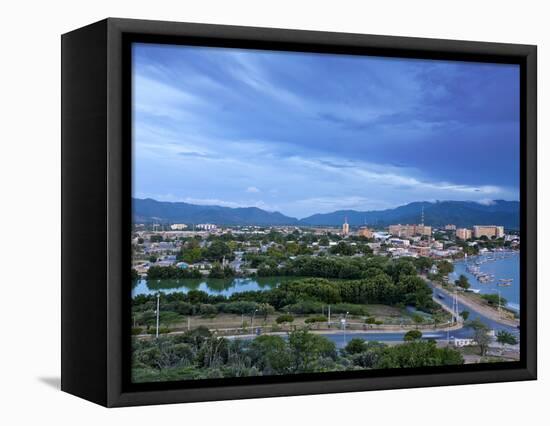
x: 150, y: 210
x: 459, y: 213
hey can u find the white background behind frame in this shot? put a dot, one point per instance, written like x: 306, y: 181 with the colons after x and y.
x: 30, y: 212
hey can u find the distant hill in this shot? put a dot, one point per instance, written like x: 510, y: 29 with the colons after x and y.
x: 150, y: 210
x: 459, y: 213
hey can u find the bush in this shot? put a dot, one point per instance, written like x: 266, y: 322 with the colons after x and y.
x: 182, y: 308
x: 207, y: 310
x: 242, y: 307
x: 356, y: 346
x: 162, y: 330
x: 319, y: 318
x: 412, y: 335
x: 136, y: 331
x: 352, y: 308
x: 494, y: 300
x: 304, y: 307
x: 284, y: 318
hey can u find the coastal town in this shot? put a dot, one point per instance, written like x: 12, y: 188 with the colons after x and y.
x: 164, y: 244
x: 209, y: 277
x: 312, y: 231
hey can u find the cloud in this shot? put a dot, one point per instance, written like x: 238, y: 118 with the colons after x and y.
x: 386, y: 132
x: 330, y: 204
x: 387, y: 175
x: 233, y: 204
x: 195, y: 155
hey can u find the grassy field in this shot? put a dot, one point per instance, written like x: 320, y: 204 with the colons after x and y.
x: 380, y: 316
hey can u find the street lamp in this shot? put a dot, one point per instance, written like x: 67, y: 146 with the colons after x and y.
x: 158, y: 314
x: 252, y: 321
x: 344, y: 324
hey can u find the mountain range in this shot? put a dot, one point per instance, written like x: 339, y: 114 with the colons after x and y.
x: 439, y: 213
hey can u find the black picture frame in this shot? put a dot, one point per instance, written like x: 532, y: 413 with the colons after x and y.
x: 96, y: 211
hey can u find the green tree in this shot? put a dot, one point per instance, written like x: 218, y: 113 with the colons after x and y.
x: 401, y: 268
x: 506, y: 338
x: 270, y: 354
x: 445, y: 267
x: 465, y: 315
x: 343, y: 249
x: 191, y: 255
x: 218, y: 272
x: 356, y: 346
x: 308, y: 350
x: 462, y: 282
x: 418, y: 319
x: 265, y: 309
x: 217, y: 250
x: 481, y: 336
x: 423, y: 263
x: 412, y: 335
x: 418, y: 354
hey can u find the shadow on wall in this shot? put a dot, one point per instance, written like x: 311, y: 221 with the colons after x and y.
x: 54, y: 382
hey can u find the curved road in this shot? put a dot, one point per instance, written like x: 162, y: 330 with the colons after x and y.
x: 341, y: 340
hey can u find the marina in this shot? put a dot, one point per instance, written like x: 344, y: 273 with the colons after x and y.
x: 492, y: 273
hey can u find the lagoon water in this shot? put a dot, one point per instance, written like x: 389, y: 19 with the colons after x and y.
x: 223, y: 287
x: 503, y: 267
x: 507, y: 267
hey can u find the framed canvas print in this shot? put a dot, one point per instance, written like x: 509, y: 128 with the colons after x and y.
x: 253, y: 212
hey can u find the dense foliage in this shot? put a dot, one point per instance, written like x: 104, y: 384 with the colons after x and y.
x: 397, y: 286
x: 198, y: 354
x: 494, y: 299
x: 171, y: 272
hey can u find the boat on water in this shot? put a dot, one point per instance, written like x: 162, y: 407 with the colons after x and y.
x: 505, y: 282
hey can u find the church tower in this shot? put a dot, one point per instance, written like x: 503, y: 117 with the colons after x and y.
x: 345, y: 227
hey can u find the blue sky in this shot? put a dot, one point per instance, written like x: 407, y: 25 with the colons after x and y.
x: 305, y: 133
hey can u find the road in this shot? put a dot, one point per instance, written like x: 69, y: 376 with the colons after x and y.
x: 446, y: 299
x: 443, y: 298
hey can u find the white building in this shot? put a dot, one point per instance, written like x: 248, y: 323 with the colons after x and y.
x: 401, y: 252
x: 207, y: 226
x: 399, y: 242
x: 460, y: 343
x: 178, y: 226
x: 438, y: 245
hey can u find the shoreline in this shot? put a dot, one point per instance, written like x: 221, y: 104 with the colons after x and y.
x: 483, y: 309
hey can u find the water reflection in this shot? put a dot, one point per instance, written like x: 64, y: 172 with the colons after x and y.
x: 215, y: 286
